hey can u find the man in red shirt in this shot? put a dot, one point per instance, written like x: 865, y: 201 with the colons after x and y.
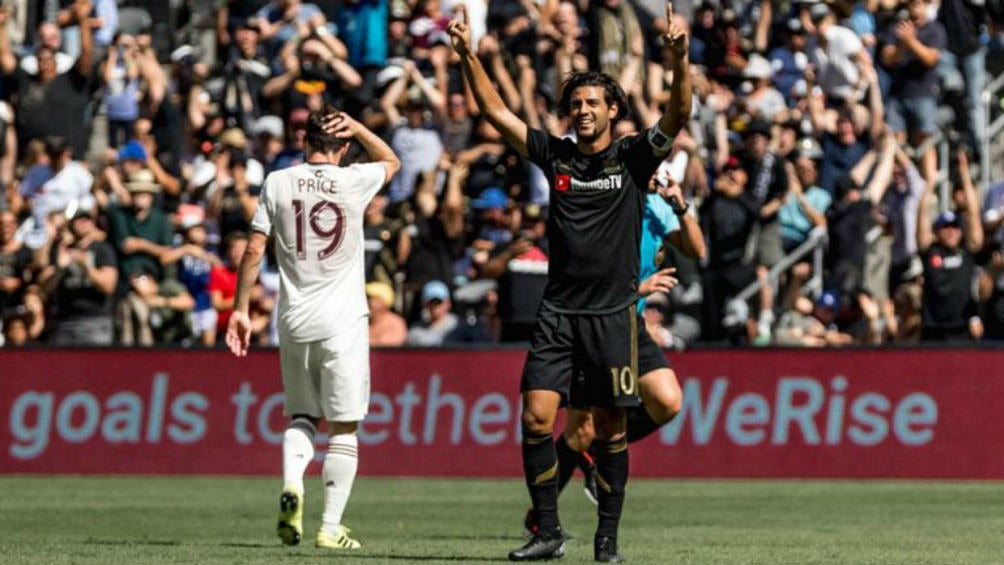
x: 223, y: 279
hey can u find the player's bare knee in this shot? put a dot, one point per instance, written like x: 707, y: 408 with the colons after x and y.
x: 540, y: 409
x: 537, y: 422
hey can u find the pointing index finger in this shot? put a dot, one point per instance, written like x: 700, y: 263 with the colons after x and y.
x: 669, y: 12
x: 463, y: 14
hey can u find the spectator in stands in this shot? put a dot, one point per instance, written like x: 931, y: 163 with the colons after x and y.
x: 195, y: 263
x: 269, y: 141
x: 992, y: 291
x: 789, y: 60
x: 52, y: 103
x: 948, y: 254
x: 58, y: 182
x: 141, y: 232
x: 294, y: 152
x: 15, y: 262
x: 838, y: 56
x: 851, y: 217
x: 223, y: 280
x: 899, y: 210
x: 521, y: 270
x: 808, y: 325
x: 458, y: 127
x: 437, y: 228
x: 911, y: 55
x: 387, y: 328
x: 806, y: 205
x: 763, y: 101
x: 438, y: 325
x: 239, y: 177
x: 388, y: 243
x: 728, y: 216
x: 246, y: 72
x: 79, y: 276
x: 154, y: 312
x: 417, y: 144
x: 964, y: 22
x: 47, y: 36
x: 843, y: 136
x: 768, y: 185
x: 282, y: 20
x: 120, y: 77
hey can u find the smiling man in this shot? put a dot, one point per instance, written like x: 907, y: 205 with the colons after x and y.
x: 587, y: 326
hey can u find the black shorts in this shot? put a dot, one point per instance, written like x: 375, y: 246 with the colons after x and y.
x: 591, y: 360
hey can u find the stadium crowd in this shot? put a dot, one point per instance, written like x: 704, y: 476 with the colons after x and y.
x: 131, y: 163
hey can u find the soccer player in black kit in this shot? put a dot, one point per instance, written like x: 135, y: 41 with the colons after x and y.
x: 587, y: 325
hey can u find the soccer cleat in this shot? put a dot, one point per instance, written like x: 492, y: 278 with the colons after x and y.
x: 541, y: 547
x: 605, y: 550
x: 337, y: 540
x: 290, y: 526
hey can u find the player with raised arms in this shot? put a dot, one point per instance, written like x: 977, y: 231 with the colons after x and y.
x: 315, y: 212
x: 587, y: 324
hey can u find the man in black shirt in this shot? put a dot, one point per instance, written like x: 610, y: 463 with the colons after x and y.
x: 52, y: 104
x: 948, y: 310
x: 587, y: 326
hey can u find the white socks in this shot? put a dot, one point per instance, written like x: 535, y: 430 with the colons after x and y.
x: 340, y: 465
x: 297, y: 451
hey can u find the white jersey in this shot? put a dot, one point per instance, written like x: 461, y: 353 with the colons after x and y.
x: 316, y: 214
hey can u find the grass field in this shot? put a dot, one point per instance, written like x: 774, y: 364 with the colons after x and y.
x: 211, y: 520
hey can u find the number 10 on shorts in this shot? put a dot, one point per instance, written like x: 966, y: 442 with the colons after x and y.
x: 624, y: 380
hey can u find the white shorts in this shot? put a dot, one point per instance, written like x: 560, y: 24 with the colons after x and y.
x: 330, y: 378
x: 204, y: 321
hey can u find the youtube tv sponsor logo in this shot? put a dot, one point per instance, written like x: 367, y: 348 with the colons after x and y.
x: 909, y: 414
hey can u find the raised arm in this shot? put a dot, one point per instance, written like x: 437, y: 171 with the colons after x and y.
x: 489, y: 102
x: 8, y: 62
x: 342, y: 126
x: 678, y: 107
x: 973, y: 224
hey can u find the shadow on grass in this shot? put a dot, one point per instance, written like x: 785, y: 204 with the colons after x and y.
x: 413, y: 558
x: 92, y: 541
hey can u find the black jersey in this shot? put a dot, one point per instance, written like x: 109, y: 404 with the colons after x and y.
x: 594, y: 227
x: 948, y: 280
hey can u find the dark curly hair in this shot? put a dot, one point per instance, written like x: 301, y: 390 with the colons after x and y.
x: 613, y: 93
x: 318, y: 139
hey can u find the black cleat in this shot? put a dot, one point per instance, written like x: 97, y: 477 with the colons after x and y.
x: 605, y: 550
x: 540, y: 547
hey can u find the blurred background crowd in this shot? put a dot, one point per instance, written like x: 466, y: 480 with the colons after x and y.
x: 838, y: 161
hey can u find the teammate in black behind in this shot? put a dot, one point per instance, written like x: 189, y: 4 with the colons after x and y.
x: 587, y: 323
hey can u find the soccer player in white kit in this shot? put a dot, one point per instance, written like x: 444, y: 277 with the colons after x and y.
x: 315, y: 211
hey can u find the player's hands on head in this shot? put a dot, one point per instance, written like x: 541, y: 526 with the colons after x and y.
x: 460, y: 32
x: 660, y: 281
x: 342, y: 126
x: 239, y: 333
x: 676, y: 37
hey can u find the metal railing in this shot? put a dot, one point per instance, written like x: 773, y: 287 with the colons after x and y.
x: 991, y: 131
x: 814, y: 244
